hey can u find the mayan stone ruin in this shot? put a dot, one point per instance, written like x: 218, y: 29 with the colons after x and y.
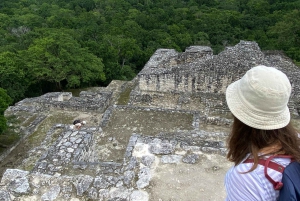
x: 158, y: 137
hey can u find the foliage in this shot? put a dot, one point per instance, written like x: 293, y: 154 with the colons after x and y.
x: 13, y: 77
x: 289, y: 26
x: 10, y: 135
x: 58, y: 57
x: 51, y: 45
x: 5, y: 101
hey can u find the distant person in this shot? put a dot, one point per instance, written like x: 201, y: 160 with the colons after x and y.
x: 261, y: 129
x: 78, y: 123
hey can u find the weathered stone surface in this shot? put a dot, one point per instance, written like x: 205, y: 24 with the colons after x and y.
x: 19, y: 185
x: 11, y: 174
x: 128, y: 177
x: 88, y: 100
x: 103, y: 194
x: 101, y: 182
x: 144, y: 177
x: 74, y: 199
x: 161, y: 148
x: 82, y: 183
x: 51, y: 194
x: 148, y: 160
x: 93, y: 193
x: 171, y: 158
x: 191, y: 158
x: 4, y: 196
x: 119, y: 193
x: 207, y: 75
x: 132, y: 163
x: 139, y: 196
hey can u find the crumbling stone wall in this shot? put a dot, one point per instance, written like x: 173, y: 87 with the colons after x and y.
x: 88, y: 101
x: 198, y: 72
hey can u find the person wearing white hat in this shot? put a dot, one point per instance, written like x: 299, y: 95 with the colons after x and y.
x: 261, y: 128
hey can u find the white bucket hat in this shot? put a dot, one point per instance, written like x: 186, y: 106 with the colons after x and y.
x: 259, y: 99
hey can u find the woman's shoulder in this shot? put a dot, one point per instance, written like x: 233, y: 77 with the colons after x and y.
x: 259, y: 171
x: 254, y: 183
x: 243, y: 185
x: 240, y: 173
x: 282, y: 161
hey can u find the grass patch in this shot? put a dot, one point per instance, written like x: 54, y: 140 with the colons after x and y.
x: 29, y: 121
x: 12, y: 119
x: 8, y: 140
x: 40, y: 133
x: 17, y: 118
x: 29, y: 167
x: 149, y: 123
x: 9, y: 136
x: 124, y: 96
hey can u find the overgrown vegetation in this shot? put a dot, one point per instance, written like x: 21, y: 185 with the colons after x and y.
x: 9, y: 136
x: 125, y: 96
x: 5, y: 101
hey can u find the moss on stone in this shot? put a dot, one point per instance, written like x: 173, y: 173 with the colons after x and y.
x: 124, y: 96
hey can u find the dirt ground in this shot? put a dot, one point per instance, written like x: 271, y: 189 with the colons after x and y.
x: 190, y: 182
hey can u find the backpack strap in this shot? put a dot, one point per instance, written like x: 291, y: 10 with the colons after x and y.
x: 267, y: 163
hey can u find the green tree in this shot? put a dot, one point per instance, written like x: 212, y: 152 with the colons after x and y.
x: 5, y: 101
x: 162, y: 38
x: 258, y: 7
x: 13, y: 77
x: 287, y: 34
x: 58, y: 57
x: 88, y: 5
x: 201, y: 38
x: 61, y: 18
x: 180, y: 35
x: 29, y: 20
x: 117, y: 53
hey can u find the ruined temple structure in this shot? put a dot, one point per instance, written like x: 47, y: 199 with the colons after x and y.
x: 198, y: 73
x: 160, y: 136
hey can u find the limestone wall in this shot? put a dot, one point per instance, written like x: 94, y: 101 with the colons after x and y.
x: 88, y: 101
x: 198, y: 71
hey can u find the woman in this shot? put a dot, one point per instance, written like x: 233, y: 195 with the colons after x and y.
x: 261, y: 128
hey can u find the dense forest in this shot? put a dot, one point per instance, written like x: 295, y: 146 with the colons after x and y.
x: 54, y: 45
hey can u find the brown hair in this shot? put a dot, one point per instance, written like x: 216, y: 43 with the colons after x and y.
x: 244, y: 139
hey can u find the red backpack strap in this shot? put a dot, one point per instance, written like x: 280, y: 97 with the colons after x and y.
x: 267, y: 163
